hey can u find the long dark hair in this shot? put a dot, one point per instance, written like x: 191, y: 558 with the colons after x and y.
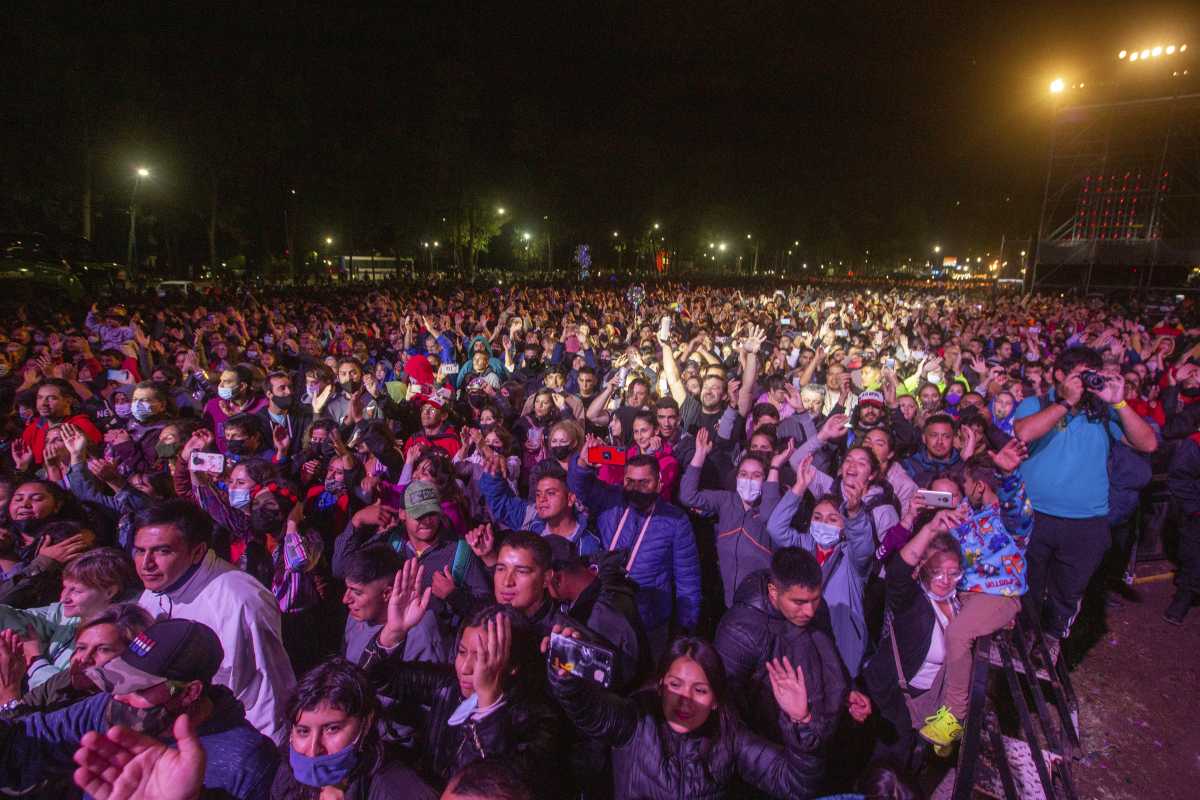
x: 720, y: 725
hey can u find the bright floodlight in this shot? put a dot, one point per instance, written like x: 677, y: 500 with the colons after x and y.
x: 1057, y: 85
x: 1170, y: 49
x: 1122, y: 54
x: 143, y: 172
x: 526, y: 236
x: 1133, y: 56
x: 1157, y: 51
x: 937, y: 248
x: 1146, y: 53
x: 500, y: 211
x: 615, y: 234
x: 328, y: 240
x: 656, y: 226
x: 1182, y: 48
x: 721, y: 247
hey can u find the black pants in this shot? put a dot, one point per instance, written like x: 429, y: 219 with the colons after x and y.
x: 1188, y: 577
x: 1063, y: 555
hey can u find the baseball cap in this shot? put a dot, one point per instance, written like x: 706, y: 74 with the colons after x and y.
x: 421, y: 498
x: 428, y: 400
x: 171, y: 650
x: 871, y: 397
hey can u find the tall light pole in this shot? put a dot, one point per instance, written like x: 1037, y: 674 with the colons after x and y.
x: 139, y: 174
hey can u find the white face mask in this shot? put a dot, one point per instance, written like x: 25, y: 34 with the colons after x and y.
x: 935, y: 377
x: 824, y: 534
x: 749, y: 489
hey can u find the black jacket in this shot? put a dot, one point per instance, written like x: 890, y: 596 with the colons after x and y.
x: 526, y: 731
x: 388, y: 780
x: 651, y: 762
x: 1183, y: 477
x: 913, y: 619
x: 609, y: 609
x: 752, y: 633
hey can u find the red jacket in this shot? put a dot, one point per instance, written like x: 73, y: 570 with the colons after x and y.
x: 34, y: 434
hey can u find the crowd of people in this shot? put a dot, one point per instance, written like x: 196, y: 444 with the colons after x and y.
x: 556, y: 542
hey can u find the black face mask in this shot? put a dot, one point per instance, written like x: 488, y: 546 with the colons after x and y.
x: 1193, y: 391
x: 236, y: 447
x: 283, y: 403
x: 561, y: 452
x: 642, y: 501
x: 350, y: 387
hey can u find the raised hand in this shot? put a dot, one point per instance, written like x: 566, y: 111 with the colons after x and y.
x: 406, y: 605
x: 104, y: 469
x: 443, y: 583
x: 12, y: 666
x: 75, y: 442
x: 804, y: 475
x: 64, y: 551
x: 491, y: 660
x: 791, y: 693
x: 834, y: 428
x: 22, y: 455
x: 781, y: 458
x: 482, y: 540
x: 704, y: 446
x: 1009, y: 457
x: 852, y: 493
x: 125, y: 765
x: 281, y: 438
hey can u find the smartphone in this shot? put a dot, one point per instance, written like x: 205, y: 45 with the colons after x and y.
x: 785, y: 320
x: 120, y: 376
x: 207, y: 462
x: 606, y: 455
x: 534, y: 436
x: 936, y: 499
x: 890, y: 363
x: 582, y: 659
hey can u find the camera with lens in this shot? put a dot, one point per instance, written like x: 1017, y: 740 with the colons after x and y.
x: 1093, y: 380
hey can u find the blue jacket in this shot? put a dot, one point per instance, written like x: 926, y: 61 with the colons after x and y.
x: 241, y: 761
x: 667, y: 566
x: 510, y: 511
x: 994, y: 540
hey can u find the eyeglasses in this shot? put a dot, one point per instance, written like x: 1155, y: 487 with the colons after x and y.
x: 946, y: 575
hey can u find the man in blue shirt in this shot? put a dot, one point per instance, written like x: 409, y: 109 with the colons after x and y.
x: 1066, y: 477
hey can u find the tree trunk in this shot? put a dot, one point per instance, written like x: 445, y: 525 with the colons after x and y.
x: 212, y: 223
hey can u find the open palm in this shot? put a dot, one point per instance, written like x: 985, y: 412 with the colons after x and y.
x: 124, y: 765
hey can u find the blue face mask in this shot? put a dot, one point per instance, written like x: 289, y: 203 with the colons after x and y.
x: 331, y: 769
x: 824, y: 534
x: 239, y: 498
x: 141, y: 410
x: 225, y: 392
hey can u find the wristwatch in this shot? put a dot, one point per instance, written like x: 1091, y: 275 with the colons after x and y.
x: 1063, y: 402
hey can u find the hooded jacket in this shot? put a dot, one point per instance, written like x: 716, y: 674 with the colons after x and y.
x: 924, y: 468
x: 752, y: 633
x: 608, y: 608
x: 245, y: 616
x: 743, y: 544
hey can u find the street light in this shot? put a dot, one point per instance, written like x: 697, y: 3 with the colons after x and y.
x: 1056, y: 86
x: 721, y: 247
x: 328, y: 240
x: 656, y: 226
x: 500, y: 211
x: 140, y: 174
x: 937, y: 248
x: 526, y: 236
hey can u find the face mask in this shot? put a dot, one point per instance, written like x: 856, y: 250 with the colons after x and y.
x: 350, y: 387
x: 268, y: 339
x: 225, y: 392
x: 642, y: 501
x: 935, y: 377
x: 312, y: 390
x: 236, y: 447
x: 167, y: 449
x: 561, y: 452
x: 749, y: 489
x: 122, y: 409
x: 142, y: 410
x: 284, y: 402
x: 824, y: 534
x: 239, y: 498
x: 952, y: 399
x: 335, y: 486
x: 149, y: 721
x: 938, y: 598
x: 252, y: 354
x: 1190, y: 391
x: 330, y: 769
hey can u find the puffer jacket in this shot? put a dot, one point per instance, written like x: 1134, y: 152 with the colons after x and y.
x: 666, y: 567
x: 752, y: 633
x: 652, y: 762
x: 609, y: 608
x: 525, y: 731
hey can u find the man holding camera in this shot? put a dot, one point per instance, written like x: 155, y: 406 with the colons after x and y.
x: 1070, y: 434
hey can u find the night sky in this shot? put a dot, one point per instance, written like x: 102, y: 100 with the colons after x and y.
x: 846, y: 126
